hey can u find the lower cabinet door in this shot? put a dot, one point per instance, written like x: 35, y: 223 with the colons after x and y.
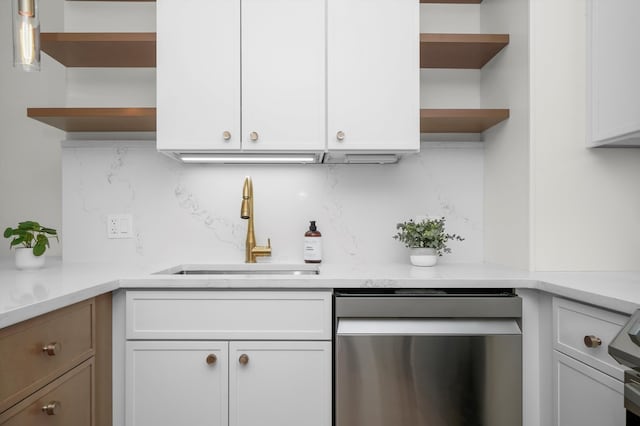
x: 280, y: 383
x: 176, y: 383
x: 584, y: 396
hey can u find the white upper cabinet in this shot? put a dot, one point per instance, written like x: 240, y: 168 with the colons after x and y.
x: 612, y: 75
x: 373, y: 80
x: 288, y: 75
x: 198, y: 75
x: 275, y: 50
x: 283, y: 75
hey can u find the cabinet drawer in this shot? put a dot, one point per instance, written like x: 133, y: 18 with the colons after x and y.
x: 230, y: 315
x: 26, y: 367
x: 574, y: 321
x: 72, y: 395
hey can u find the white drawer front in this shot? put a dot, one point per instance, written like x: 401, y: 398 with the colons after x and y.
x: 573, y: 321
x: 229, y: 315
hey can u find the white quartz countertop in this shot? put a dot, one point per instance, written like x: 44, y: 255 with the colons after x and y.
x: 26, y: 294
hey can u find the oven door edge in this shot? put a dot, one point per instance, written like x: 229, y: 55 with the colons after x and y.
x: 632, y: 394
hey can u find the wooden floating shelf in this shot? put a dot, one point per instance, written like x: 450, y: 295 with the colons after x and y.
x: 107, y: 50
x: 469, y: 51
x: 144, y: 119
x: 460, y: 120
x: 97, y: 119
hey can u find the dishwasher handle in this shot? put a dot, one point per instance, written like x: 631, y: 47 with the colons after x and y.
x: 428, y: 307
x: 426, y: 327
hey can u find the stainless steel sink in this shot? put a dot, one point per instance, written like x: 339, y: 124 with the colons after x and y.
x: 244, y: 269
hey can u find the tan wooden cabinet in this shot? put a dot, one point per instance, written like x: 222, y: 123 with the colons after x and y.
x: 56, y: 368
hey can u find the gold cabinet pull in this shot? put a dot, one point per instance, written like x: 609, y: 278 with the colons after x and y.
x: 592, y: 341
x: 226, y: 135
x: 52, y: 408
x: 211, y: 359
x: 253, y: 136
x: 244, y: 359
x: 52, y: 349
x: 340, y: 135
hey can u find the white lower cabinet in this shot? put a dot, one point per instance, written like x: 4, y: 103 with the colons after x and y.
x: 587, y: 382
x: 585, y: 396
x: 280, y: 375
x: 280, y: 383
x: 235, y: 383
x: 177, y: 383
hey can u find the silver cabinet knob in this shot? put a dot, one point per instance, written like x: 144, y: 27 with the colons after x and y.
x: 253, y: 136
x: 226, y: 135
x: 52, y: 408
x: 340, y: 135
x: 592, y: 341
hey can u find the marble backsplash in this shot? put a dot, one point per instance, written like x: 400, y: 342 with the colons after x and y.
x: 191, y: 213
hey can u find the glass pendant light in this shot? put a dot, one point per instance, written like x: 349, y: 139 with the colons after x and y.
x: 26, y: 35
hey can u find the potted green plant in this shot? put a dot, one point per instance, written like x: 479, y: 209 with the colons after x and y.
x: 30, y: 240
x: 427, y: 240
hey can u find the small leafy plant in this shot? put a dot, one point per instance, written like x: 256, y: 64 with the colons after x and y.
x: 32, y: 235
x: 428, y: 233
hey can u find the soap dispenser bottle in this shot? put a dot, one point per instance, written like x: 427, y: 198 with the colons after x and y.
x: 312, y: 244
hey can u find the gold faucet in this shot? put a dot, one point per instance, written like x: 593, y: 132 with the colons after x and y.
x: 246, y: 212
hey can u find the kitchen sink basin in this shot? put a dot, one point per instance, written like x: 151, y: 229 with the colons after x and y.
x: 244, y: 269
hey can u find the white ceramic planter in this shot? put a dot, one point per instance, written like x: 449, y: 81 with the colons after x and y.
x: 423, y: 256
x: 26, y: 260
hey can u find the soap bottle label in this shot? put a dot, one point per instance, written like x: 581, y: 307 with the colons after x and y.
x: 313, y: 249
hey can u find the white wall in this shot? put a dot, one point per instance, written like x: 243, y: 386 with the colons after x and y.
x: 551, y: 203
x: 586, y: 210
x: 30, y: 178
x: 110, y: 87
x: 191, y: 213
x: 449, y: 88
x: 505, y: 84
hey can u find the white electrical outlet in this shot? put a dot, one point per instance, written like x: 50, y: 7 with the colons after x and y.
x: 119, y: 226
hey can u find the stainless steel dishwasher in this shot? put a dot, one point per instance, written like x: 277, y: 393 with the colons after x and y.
x: 443, y: 357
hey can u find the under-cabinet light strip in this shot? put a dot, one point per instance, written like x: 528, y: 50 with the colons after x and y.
x: 246, y: 159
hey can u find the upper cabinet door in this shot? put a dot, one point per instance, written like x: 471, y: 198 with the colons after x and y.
x: 613, y: 70
x: 198, y: 74
x: 283, y: 75
x: 373, y: 75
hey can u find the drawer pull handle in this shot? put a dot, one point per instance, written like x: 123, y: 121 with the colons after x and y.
x: 52, y: 408
x: 254, y: 136
x: 244, y: 359
x: 592, y: 341
x: 52, y: 349
x: 211, y: 359
x: 340, y: 136
x: 226, y: 135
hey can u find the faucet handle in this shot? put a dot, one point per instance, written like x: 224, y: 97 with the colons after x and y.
x: 260, y: 251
